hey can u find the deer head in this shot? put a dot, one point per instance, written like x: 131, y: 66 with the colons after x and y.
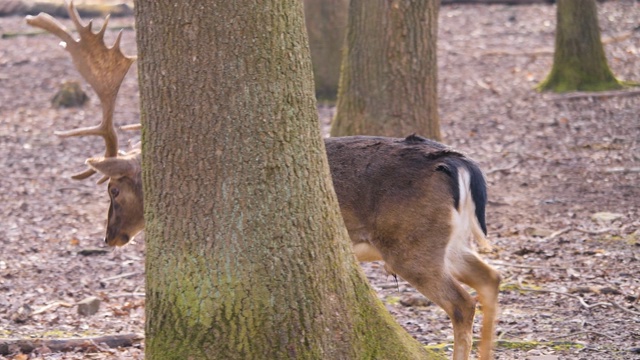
x: 126, y: 214
x: 104, y: 68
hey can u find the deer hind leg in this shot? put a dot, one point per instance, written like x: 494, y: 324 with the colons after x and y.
x: 471, y: 270
x: 429, y: 276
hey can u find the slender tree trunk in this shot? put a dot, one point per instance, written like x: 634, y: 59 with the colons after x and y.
x: 247, y: 256
x: 389, y: 73
x: 326, y: 26
x: 579, y: 62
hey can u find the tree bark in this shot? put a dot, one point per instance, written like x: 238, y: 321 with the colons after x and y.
x: 579, y: 62
x: 247, y: 255
x: 389, y: 70
x: 326, y: 22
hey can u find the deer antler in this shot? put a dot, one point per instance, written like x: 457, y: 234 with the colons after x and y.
x: 102, y: 67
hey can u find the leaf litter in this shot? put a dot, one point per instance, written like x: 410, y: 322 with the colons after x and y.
x: 564, y: 190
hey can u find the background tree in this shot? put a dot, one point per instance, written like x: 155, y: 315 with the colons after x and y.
x: 389, y: 73
x: 579, y: 62
x: 326, y: 22
x: 247, y: 256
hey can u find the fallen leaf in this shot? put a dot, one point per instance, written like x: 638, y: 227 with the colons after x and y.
x: 606, y: 216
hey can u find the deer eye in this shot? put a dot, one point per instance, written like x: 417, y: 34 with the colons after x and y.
x: 114, y: 192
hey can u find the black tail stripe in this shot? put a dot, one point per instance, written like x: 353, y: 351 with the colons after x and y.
x: 478, y: 193
x: 477, y: 184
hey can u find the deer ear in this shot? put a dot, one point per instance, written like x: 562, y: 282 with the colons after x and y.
x: 114, y: 167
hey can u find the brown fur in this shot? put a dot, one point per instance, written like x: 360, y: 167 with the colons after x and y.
x: 397, y: 207
x: 393, y: 199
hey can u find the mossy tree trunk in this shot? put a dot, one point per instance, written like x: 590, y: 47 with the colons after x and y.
x: 388, y: 82
x: 326, y: 22
x: 247, y: 256
x: 579, y: 62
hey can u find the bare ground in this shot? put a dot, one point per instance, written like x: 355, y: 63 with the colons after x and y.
x: 564, y: 193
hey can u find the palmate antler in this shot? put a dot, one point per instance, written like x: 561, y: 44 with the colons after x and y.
x: 102, y: 67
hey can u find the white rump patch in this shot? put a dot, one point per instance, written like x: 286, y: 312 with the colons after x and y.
x: 366, y: 252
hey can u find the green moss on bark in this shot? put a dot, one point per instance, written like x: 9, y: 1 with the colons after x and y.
x: 570, y: 74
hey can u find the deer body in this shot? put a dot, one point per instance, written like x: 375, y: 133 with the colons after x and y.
x: 412, y: 202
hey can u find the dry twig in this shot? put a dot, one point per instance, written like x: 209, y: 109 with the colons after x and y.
x: 616, y: 170
x: 558, y: 233
x: 122, y: 276
x: 585, y: 333
x: 594, y: 232
x: 26, y: 346
x: 52, y: 306
x: 581, y: 300
x: 620, y: 307
x: 546, y: 267
x: 131, y: 294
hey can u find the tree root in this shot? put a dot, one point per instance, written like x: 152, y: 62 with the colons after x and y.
x: 581, y: 300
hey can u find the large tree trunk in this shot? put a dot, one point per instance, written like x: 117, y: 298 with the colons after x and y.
x: 247, y: 256
x: 579, y: 62
x: 389, y: 73
x: 326, y: 26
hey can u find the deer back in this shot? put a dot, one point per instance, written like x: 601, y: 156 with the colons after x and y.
x: 388, y: 186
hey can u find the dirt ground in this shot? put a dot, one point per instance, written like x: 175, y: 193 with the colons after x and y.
x: 563, y: 174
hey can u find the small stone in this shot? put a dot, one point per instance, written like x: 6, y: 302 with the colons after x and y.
x: 69, y: 95
x: 89, y: 306
x: 538, y: 232
x: 543, y: 357
x: 415, y: 300
x: 23, y: 314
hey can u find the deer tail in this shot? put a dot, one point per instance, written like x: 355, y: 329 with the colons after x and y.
x: 469, y: 189
x: 477, y: 187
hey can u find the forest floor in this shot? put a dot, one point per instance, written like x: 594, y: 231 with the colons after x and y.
x: 563, y: 174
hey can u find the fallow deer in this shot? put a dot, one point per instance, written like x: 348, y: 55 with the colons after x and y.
x: 411, y: 202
